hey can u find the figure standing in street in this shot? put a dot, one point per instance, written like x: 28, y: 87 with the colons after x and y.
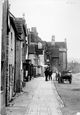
x: 50, y: 74
x: 46, y: 74
x: 56, y: 75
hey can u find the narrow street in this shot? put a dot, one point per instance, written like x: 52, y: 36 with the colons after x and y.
x: 37, y: 38
x: 38, y: 98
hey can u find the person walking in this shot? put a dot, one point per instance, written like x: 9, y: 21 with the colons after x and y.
x: 46, y: 74
x: 50, y: 74
x: 56, y: 75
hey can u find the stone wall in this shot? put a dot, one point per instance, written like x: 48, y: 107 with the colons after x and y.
x: 11, y: 60
x: 4, y: 56
x: 18, y: 66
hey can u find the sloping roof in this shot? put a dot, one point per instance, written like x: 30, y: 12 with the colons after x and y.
x: 35, y: 38
x: 13, y: 24
x: 60, y: 45
x: 54, y: 50
x: 57, y: 44
x: 48, y: 44
x: 20, y: 24
x: 12, y: 21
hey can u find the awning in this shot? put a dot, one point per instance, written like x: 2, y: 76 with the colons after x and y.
x: 43, y: 65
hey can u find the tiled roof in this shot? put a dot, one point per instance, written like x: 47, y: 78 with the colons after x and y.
x: 20, y: 24
x: 35, y: 38
x: 12, y: 21
x: 48, y: 44
x: 60, y: 45
x: 54, y: 50
x: 57, y: 44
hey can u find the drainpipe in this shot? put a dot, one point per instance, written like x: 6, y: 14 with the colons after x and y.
x: 15, y: 67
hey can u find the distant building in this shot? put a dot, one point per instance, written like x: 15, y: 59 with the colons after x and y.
x: 56, y: 52
x: 35, y: 49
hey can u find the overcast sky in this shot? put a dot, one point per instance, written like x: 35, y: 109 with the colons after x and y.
x: 52, y: 17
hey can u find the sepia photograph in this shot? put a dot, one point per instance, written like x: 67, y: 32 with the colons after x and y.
x: 39, y: 57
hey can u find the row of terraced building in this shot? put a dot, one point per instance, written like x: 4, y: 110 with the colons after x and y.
x: 25, y: 55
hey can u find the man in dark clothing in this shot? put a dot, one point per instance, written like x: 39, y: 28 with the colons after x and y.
x: 46, y: 74
x: 50, y: 74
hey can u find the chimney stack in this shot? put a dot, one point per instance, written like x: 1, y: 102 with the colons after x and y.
x: 53, y: 40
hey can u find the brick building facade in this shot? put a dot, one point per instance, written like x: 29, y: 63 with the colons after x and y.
x: 35, y: 52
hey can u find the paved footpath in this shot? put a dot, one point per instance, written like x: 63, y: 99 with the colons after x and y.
x: 39, y: 97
